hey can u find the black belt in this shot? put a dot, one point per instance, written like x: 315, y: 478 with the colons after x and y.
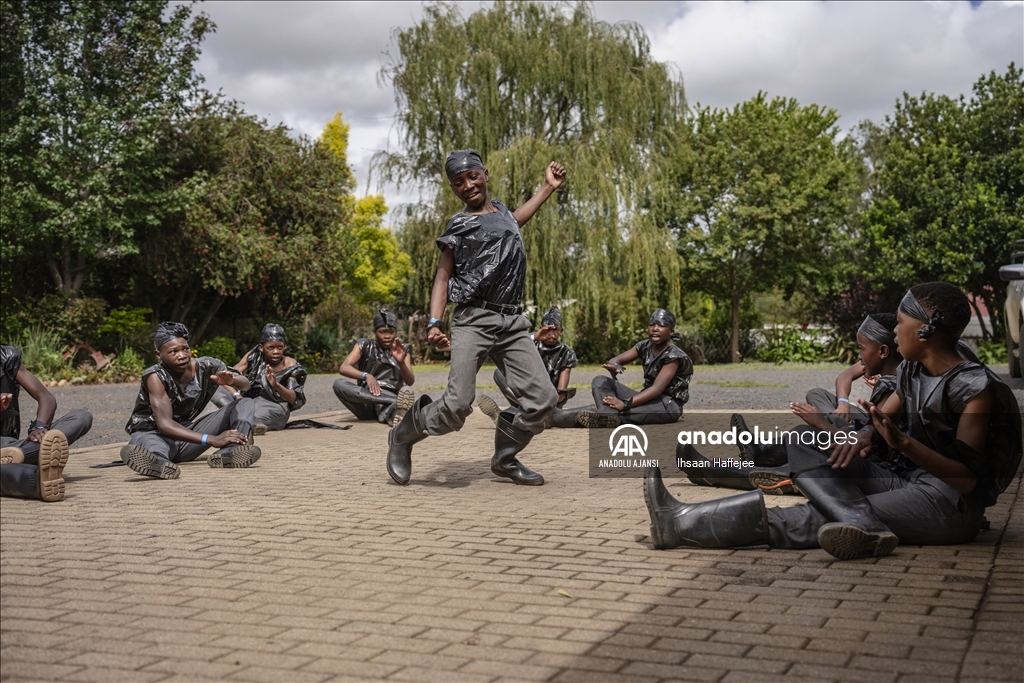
x: 504, y: 309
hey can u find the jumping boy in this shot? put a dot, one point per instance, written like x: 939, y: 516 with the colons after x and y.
x: 559, y: 359
x: 667, y: 373
x: 163, y: 426
x: 961, y: 448
x: 43, y: 481
x: 483, y: 271
x: 276, y: 382
x: 13, y: 377
x: 381, y: 367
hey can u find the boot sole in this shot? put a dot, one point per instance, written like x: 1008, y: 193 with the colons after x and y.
x: 489, y: 408
x: 239, y: 457
x: 53, y: 456
x: 406, y: 400
x: 849, y: 542
x: 259, y: 429
x: 773, y: 483
x: 591, y: 419
x: 11, y: 455
x: 147, y: 464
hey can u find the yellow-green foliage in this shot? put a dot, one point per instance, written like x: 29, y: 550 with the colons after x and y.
x: 377, y: 268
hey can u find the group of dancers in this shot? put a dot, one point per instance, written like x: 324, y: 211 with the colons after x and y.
x: 936, y: 443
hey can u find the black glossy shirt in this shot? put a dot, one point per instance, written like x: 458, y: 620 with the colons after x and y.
x: 490, y: 261
x: 679, y: 387
x: 187, y: 400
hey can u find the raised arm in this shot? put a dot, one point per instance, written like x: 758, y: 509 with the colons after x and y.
x: 844, y: 384
x: 553, y: 178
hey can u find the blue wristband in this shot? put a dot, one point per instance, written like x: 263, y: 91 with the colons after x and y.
x: 363, y: 378
x: 843, y: 400
x: 205, y: 437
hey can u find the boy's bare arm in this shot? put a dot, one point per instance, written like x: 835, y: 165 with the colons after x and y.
x: 404, y: 366
x: 844, y: 384
x: 439, y: 297
x: 164, y: 416
x: 553, y: 178
x: 47, y: 404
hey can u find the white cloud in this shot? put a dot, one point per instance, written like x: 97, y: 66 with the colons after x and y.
x: 299, y: 62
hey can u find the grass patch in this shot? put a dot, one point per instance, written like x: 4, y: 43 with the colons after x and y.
x: 744, y: 384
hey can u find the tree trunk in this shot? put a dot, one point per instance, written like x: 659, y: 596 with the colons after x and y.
x: 981, y: 321
x: 58, y: 281
x: 734, y: 341
x: 197, y: 336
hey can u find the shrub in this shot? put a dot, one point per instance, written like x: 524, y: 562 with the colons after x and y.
x: 42, y: 351
x: 221, y: 348
x: 992, y: 353
x: 790, y: 344
x: 129, y: 326
x: 127, y: 366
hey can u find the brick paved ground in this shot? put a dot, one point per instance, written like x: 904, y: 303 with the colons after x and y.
x: 313, y: 566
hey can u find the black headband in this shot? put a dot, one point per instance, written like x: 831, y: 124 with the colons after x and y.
x: 385, y: 318
x: 662, y: 317
x: 272, y: 332
x: 877, y: 332
x: 462, y: 160
x: 552, y: 317
x: 912, y: 307
x: 168, y: 331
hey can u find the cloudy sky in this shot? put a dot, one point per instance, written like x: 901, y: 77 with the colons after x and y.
x: 300, y: 62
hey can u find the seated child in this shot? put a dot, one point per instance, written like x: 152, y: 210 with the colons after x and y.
x: 43, y: 481
x: 667, y: 373
x: 276, y: 381
x: 164, y: 427
x: 961, y: 447
x: 878, y: 358
x: 13, y: 376
x: 380, y: 367
x: 559, y: 360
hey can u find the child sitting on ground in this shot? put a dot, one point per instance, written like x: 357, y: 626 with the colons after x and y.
x: 667, y: 373
x: 959, y: 447
x: 381, y: 368
x: 164, y: 427
x: 276, y: 382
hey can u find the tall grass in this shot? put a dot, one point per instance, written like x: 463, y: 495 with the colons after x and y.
x: 41, y: 352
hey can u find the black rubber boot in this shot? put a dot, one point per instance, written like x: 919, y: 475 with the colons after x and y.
x: 147, y: 463
x: 18, y: 480
x: 704, y: 472
x: 412, y: 429
x: 236, y: 457
x: 732, y: 522
x: 508, y: 442
x: 770, y: 455
x: 855, y: 530
x: 774, y: 481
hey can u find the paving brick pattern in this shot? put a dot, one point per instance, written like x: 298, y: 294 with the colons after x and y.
x: 313, y: 566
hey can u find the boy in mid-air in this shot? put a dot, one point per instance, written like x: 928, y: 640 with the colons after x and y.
x: 164, y: 427
x: 483, y: 271
x: 381, y: 367
x: 667, y: 373
x: 276, y: 382
x: 955, y: 429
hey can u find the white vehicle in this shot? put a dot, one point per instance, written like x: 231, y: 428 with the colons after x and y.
x: 1013, y: 274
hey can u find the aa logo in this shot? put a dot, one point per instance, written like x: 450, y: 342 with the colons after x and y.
x: 626, y: 441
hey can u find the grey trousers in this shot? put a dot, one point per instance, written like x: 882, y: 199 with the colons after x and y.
x: 662, y: 410
x: 237, y: 415
x: 75, y: 424
x: 917, y: 506
x: 363, y: 404
x: 826, y: 402
x: 270, y: 413
x: 476, y: 334
x: 18, y: 480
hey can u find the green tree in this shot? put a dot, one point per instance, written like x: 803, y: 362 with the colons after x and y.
x: 90, y: 91
x: 261, y: 227
x: 525, y: 83
x: 947, y: 189
x: 758, y: 196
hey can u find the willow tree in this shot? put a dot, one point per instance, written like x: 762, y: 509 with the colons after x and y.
x: 525, y: 84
